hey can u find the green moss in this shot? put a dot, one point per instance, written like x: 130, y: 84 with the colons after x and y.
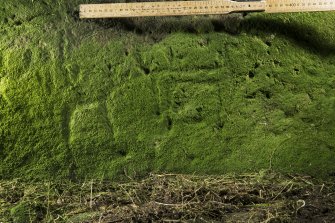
x: 109, y: 98
x: 23, y: 213
x: 82, y: 217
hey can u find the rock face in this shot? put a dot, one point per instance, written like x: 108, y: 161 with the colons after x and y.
x: 114, y: 98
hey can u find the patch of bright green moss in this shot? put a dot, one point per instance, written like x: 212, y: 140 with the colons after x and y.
x: 22, y: 213
x: 109, y: 98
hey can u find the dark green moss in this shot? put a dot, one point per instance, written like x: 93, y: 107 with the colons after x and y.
x: 109, y: 98
x: 22, y: 213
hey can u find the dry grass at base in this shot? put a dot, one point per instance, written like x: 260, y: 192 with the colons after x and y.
x: 261, y: 197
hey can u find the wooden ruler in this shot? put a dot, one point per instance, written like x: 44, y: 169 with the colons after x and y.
x: 209, y: 7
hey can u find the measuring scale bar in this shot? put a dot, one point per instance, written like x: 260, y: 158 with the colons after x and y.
x: 170, y: 8
x: 209, y: 7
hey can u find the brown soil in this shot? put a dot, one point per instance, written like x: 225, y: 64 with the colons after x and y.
x: 262, y: 197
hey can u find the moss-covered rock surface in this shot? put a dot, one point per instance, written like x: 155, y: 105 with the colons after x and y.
x: 125, y: 97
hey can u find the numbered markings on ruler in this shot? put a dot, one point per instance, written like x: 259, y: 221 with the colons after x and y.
x: 299, y: 5
x: 200, y: 7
